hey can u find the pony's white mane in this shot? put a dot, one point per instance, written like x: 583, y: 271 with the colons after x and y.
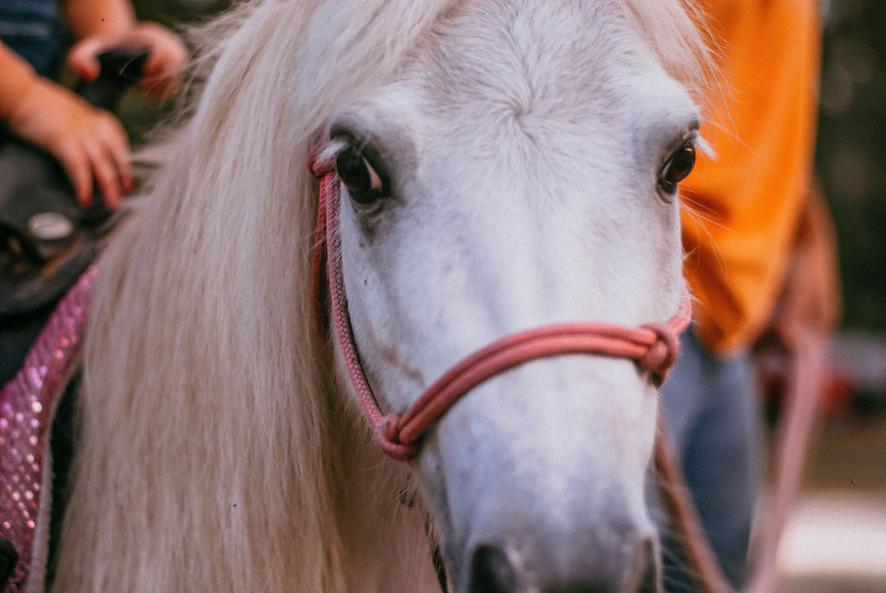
x: 210, y: 438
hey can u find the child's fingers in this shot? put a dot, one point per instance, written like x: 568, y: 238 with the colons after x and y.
x: 75, y: 162
x: 117, y: 147
x: 171, y: 57
x: 163, y: 68
x: 166, y: 56
x: 82, y: 57
x: 165, y: 61
x: 105, y: 173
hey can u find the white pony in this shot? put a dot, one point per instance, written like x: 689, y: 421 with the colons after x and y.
x: 518, y: 155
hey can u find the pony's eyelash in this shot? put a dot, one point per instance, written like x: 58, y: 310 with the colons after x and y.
x: 705, y: 147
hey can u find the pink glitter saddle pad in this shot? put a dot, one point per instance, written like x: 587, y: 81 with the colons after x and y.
x: 28, y: 405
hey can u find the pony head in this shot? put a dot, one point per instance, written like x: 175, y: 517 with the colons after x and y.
x: 514, y: 174
x: 507, y: 164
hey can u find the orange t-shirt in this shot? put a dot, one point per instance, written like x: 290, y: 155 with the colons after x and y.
x: 748, y: 197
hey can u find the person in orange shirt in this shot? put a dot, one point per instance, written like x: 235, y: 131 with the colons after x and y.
x: 741, y: 210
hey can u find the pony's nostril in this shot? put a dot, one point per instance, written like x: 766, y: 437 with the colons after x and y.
x: 491, y: 572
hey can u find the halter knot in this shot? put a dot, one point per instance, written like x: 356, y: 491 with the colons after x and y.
x: 387, y: 437
x: 323, y: 160
x: 661, y: 355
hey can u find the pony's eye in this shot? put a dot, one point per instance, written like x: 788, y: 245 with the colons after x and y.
x: 677, y: 168
x: 364, y: 183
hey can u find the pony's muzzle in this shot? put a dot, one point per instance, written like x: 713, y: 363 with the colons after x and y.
x: 632, y: 567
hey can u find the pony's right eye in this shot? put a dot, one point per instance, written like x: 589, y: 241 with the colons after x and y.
x: 363, y: 181
x: 677, y: 168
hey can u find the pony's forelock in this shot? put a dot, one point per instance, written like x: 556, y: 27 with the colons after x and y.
x: 676, y: 30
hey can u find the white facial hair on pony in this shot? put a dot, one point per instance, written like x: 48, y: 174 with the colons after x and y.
x: 216, y: 452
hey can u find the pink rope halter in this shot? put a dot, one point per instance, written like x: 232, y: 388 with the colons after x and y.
x: 654, y: 346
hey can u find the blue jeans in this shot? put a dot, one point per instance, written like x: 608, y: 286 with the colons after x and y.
x: 33, y: 29
x: 711, y: 406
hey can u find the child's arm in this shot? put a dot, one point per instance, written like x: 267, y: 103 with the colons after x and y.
x: 18, y: 77
x: 88, y: 142
x: 87, y: 18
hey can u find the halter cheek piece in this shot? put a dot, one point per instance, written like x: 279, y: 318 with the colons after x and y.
x: 654, y: 347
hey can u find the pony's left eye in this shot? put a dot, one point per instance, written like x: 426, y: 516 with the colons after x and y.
x: 677, y: 168
x: 365, y: 184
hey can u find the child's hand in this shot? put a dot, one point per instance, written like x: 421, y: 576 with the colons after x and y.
x: 166, y: 58
x: 86, y: 141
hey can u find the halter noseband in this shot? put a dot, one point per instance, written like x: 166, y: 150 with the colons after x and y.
x: 654, y: 347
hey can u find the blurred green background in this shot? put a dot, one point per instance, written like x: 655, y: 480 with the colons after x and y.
x: 852, y: 150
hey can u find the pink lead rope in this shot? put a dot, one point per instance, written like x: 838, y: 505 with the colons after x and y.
x: 654, y: 346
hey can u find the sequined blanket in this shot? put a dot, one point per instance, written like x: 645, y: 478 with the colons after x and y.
x: 27, y: 408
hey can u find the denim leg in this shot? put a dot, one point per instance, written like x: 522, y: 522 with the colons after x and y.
x: 711, y: 409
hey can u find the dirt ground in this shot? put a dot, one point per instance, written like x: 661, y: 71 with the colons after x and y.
x: 851, y: 455
x: 836, y: 542
x: 833, y: 584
